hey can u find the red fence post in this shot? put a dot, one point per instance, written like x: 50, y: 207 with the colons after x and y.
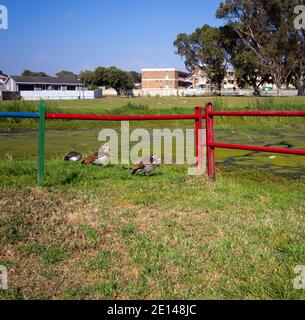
x: 210, y: 141
x: 198, y: 114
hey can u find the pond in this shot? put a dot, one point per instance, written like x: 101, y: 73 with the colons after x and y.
x: 21, y: 144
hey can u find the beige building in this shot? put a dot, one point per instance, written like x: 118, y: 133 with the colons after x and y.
x: 230, y: 80
x: 200, y: 81
x: 167, y: 78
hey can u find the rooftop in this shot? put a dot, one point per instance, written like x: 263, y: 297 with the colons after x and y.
x: 158, y: 69
x: 46, y: 80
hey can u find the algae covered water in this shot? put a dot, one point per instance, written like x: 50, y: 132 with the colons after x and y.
x: 22, y: 144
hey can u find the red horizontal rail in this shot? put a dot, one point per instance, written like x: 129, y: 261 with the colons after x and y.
x: 258, y: 113
x: 55, y: 116
x: 119, y: 118
x: 255, y: 148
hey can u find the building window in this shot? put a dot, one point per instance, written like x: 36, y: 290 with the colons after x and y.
x: 40, y: 87
x: 56, y: 88
x: 26, y: 87
x: 71, y: 88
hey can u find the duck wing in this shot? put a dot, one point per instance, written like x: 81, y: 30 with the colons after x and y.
x: 102, y: 161
x: 91, y: 159
x: 137, y: 167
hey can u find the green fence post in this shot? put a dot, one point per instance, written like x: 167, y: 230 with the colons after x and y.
x: 41, y: 143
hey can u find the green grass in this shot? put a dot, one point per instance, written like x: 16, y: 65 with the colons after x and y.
x: 142, y: 106
x: 112, y: 103
x: 100, y: 233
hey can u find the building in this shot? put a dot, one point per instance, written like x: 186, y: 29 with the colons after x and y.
x: 48, y: 88
x: 164, y: 79
x: 200, y: 81
x: 20, y: 83
x: 230, y: 80
x: 2, y: 79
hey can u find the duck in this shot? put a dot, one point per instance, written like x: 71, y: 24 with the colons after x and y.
x: 90, y: 159
x: 103, y: 156
x: 147, y: 165
x: 73, y: 156
x: 99, y: 158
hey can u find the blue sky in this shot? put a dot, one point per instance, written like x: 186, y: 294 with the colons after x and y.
x: 52, y: 35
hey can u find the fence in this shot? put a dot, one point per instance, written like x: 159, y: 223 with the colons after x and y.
x: 198, y: 117
x: 212, y: 145
x: 61, y: 95
x: 208, y: 92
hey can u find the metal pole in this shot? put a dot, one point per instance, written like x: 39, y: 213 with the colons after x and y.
x: 198, y: 114
x: 41, y: 143
x: 118, y: 118
x: 210, y: 141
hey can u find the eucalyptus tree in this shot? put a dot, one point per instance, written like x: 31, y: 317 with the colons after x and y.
x: 248, y: 71
x: 203, y: 49
x: 267, y: 29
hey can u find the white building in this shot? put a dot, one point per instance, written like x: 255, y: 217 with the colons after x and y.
x: 200, y: 81
x: 2, y: 79
x: 49, y: 88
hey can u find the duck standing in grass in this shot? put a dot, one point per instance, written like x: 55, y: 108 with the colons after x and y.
x: 73, y: 156
x: 147, y: 165
x: 99, y: 158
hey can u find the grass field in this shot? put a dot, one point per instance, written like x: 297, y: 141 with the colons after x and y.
x: 170, y: 105
x: 99, y: 233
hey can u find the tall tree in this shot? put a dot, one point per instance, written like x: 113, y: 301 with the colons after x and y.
x: 203, y: 49
x: 247, y: 69
x: 298, y: 75
x: 267, y: 30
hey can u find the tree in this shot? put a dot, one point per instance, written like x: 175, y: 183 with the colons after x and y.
x: 112, y: 77
x: 88, y: 79
x: 28, y: 73
x: 100, y: 76
x: 298, y: 74
x: 66, y: 74
x: 136, y: 76
x: 247, y: 70
x: 203, y: 49
x: 119, y: 80
x: 266, y: 28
